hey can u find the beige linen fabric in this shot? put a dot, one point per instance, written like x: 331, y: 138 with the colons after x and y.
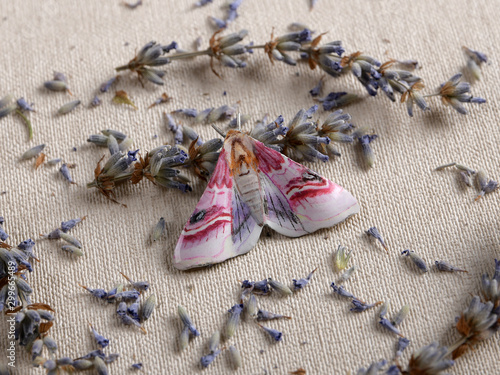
x: 413, y: 207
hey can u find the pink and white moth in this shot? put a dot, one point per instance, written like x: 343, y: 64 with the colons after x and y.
x: 252, y: 186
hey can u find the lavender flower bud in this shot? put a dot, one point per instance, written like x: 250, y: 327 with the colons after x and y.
x: 301, y: 283
x: 279, y: 287
x: 341, y: 291
x: 66, y: 174
x: 70, y: 239
x: 441, y: 265
x: 263, y: 315
x: 402, y: 345
x: 100, y: 340
x: 275, y: 335
x: 360, y: 306
x: 416, y: 259
x: 186, y: 320
x: 32, y: 152
x: 235, y: 356
x: 373, y: 231
x: 401, y: 315
x: 68, y: 107
x: 233, y: 321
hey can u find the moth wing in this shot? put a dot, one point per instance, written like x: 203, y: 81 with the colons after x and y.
x: 298, y: 200
x: 221, y: 226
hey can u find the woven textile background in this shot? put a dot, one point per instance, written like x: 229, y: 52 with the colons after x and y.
x: 413, y: 207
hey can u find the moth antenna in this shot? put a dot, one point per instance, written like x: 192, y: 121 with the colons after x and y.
x: 223, y: 135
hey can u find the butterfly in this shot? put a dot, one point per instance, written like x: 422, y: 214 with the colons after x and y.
x: 252, y: 186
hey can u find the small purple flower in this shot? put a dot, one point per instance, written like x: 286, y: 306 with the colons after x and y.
x: 67, y: 225
x: 189, y: 112
x: 388, y: 325
x: 65, y: 172
x: 373, y: 231
x: 214, y: 352
x: 416, y: 259
x: 133, y: 311
x: 137, y: 366
x: 360, y: 306
x: 107, y: 85
x: 316, y: 90
x: 100, y: 340
x: 186, y: 320
x: 99, y: 293
x: 337, y: 99
x: 23, y: 104
x: 364, y: 141
x: 127, y: 295
x: 141, y: 286
x: 299, y: 284
x: 403, y: 343
x: 95, y: 102
x: 441, y: 265
x: 341, y: 291
x: 275, y: 334
x: 263, y: 315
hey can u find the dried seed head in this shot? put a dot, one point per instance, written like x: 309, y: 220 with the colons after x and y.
x: 233, y: 321
x: 148, y: 308
x: 416, y: 259
x: 347, y: 274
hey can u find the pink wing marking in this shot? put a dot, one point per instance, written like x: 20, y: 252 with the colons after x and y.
x: 220, y: 227
x: 300, y: 201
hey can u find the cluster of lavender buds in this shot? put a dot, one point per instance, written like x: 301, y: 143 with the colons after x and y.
x: 188, y: 328
x: 147, y: 59
x: 32, y: 323
x: 391, y: 77
x: 133, y: 313
x: 14, y: 262
x: 466, y: 176
x: 73, y: 245
x: 114, y: 140
x: 95, y: 359
x: 20, y: 107
x: 302, y: 140
x: 474, y: 61
x: 429, y: 360
x: 480, y: 320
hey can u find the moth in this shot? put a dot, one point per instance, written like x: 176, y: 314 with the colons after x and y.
x: 252, y: 186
